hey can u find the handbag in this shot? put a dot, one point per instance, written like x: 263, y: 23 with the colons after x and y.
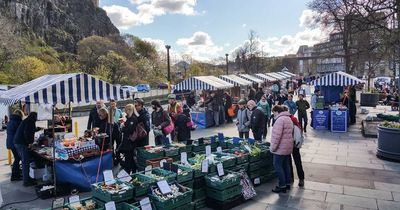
x: 139, y: 133
x: 168, y: 129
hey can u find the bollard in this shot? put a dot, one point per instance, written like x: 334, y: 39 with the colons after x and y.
x: 9, y: 157
x: 76, y: 129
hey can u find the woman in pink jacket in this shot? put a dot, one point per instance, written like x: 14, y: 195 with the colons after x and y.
x: 282, y: 147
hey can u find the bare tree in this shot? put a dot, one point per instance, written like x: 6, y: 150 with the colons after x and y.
x: 247, y: 56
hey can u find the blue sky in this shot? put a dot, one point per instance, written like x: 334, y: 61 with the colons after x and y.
x: 207, y: 29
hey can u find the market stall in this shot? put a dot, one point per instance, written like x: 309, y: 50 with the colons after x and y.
x: 268, y: 80
x: 331, y: 87
x: 252, y: 79
x: 201, y: 116
x: 69, y: 153
x: 240, y: 84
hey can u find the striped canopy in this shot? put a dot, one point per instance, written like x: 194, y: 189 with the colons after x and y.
x: 275, y: 75
x: 62, y: 89
x: 337, y: 79
x: 265, y: 77
x: 251, y: 78
x: 235, y: 80
x: 287, y: 76
x: 289, y: 73
x: 203, y: 83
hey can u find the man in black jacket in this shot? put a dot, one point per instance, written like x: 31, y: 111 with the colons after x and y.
x: 257, y: 120
x: 94, y: 115
x: 144, y: 117
x: 23, y: 140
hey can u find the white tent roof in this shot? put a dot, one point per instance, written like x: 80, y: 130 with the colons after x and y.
x: 203, y: 83
x: 287, y: 76
x: 275, y: 75
x: 265, y: 77
x: 251, y: 78
x: 235, y: 80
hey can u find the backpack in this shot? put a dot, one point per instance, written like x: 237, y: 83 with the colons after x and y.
x: 297, y: 136
x: 139, y: 133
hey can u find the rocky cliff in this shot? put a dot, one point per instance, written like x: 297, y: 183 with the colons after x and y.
x: 61, y: 23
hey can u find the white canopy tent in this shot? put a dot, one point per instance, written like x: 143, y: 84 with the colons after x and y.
x: 235, y: 80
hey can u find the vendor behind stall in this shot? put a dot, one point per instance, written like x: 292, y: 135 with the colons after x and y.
x: 314, y: 99
x: 93, y: 116
x: 104, y: 127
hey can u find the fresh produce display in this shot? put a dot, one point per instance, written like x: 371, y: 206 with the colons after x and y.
x: 388, y: 124
x: 153, y: 149
x: 115, y: 188
x: 86, y: 205
x: 175, y: 192
x: 217, y: 178
x: 255, y: 151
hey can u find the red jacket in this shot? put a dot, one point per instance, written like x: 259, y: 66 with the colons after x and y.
x: 296, y: 122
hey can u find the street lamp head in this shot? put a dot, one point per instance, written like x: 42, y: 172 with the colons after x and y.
x: 226, y: 54
x: 167, y: 46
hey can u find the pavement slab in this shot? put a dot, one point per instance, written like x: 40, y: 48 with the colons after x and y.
x: 388, y: 205
x: 369, y: 193
x: 387, y: 186
x: 352, y: 200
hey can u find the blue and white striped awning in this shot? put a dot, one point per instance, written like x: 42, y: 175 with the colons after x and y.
x: 276, y: 76
x: 62, y: 89
x: 251, y: 78
x: 203, y: 83
x: 337, y: 79
x: 265, y: 77
x: 289, y: 73
x: 283, y: 74
x: 235, y: 80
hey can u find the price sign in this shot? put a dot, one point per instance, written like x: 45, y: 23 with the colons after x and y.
x: 221, y: 137
x: 219, y: 149
x: 108, y: 177
x: 74, y: 199
x: 204, y: 166
x: 184, y: 158
x: 257, y: 181
x: 164, y: 187
x: 110, y: 206
x: 145, y: 204
x: 162, y: 163
x: 58, y: 203
x: 124, y: 176
x: 147, y: 170
x: 208, y: 150
x: 220, y: 169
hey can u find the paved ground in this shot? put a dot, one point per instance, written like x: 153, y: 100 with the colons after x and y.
x: 341, y: 169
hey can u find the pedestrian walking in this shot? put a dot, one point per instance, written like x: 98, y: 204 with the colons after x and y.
x: 281, y: 147
x: 23, y: 141
x: 127, y: 147
x: 264, y: 105
x: 282, y: 97
x: 144, y: 119
x: 212, y: 104
x: 302, y: 106
x: 257, y: 120
x: 243, y: 120
x: 227, y: 106
x: 259, y: 94
x: 160, y: 119
x: 12, y: 126
x: 291, y: 104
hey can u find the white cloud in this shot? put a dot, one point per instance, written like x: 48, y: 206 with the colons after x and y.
x: 147, y: 10
x: 244, y: 25
x: 308, y: 18
x: 200, y: 46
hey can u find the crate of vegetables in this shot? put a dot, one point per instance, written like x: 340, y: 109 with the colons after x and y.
x: 254, y: 166
x: 150, y: 152
x: 242, y: 156
x: 160, y: 174
x: 255, y: 153
x: 184, y: 173
x: 156, y: 161
x: 86, y: 203
x: 196, y: 165
x: 199, y: 148
x: 223, y: 195
x: 127, y: 206
x: 183, y: 147
x: 171, y: 151
x: 227, y: 160
x: 117, y: 192
x: 179, y: 196
x: 243, y: 166
x: 141, y: 183
x: 220, y: 183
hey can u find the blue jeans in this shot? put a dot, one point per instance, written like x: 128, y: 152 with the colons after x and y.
x: 282, y: 169
x: 25, y: 157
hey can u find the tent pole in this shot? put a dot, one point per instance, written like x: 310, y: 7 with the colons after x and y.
x: 54, y: 152
x: 70, y: 110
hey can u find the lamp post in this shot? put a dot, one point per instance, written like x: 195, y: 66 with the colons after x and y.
x: 226, y: 56
x: 169, y: 69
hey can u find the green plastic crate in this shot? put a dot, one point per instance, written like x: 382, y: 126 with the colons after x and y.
x: 145, y: 155
x: 223, y: 184
x: 188, y: 184
x: 106, y: 196
x: 173, y: 203
x: 188, y: 149
x: 226, y: 162
x: 199, y: 204
x: 171, y: 151
x: 184, y: 177
x: 127, y: 206
x: 199, y: 194
x: 254, y: 174
x: 243, y: 166
x: 254, y: 158
x: 176, y: 158
x: 169, y: 176
x: 199, y: 148
x: 223, y: 195
x: 254, y: 166
x: 188, y: 206
x: 99, y: 204
x: 266, y: 170
x: 146, y: 181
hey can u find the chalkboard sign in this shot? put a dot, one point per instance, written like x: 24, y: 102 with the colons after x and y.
x: 320, y: 119
x: 338, y: 121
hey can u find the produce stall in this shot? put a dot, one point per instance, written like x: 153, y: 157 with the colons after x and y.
x: 74, y: 157
x: 202, y: 116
